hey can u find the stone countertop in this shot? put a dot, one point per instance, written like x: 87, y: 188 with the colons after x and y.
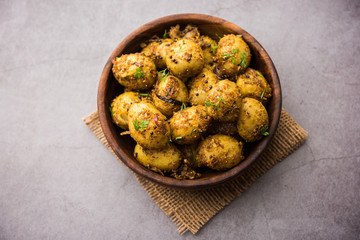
x: 58, y: 181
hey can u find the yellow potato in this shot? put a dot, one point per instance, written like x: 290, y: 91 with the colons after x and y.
x: 223, y: 101
x: 234, y: 55
x: 165, y: 159
x: 157, y: 51
x: 253, y: 84
x: 220, y: 152
x: 148, y: 126
x: 188, y: 125
x: 209, y: 47
x: 169, y: 95
x: 253, y: 120
x: 120, y: 106
x: 185, y: 59
x: 200, y: 86
x: 134, y: 71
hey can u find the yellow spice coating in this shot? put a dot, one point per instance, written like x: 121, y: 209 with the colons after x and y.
x: 157, y: 51
x: 252, y: 119
x: 220, y: 152
x: 253, y: 84
x: 134, y: 71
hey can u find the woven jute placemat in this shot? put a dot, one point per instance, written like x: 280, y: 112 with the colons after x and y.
x: 190, y: 210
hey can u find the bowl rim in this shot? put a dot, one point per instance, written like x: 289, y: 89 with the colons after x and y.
x: 172, y: 182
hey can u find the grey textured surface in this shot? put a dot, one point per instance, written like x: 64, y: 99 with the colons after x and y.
x: 57, y: 181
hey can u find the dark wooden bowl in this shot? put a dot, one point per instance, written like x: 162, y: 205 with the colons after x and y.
x: 109, y: 88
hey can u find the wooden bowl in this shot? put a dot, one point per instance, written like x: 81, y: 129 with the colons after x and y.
x: 109, y: 88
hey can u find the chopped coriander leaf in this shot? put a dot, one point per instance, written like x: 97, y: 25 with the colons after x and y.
x: 194, y: 130
x: 243, y: 62
x: 183, y: 106
x: 178, y: 138
x: 139, y: 73
x: 111, y: 110
x: 182, y: 49
x: 262, y: 94
x: 218, y: 36
x: 259, y: 74
x: 226, y: 55
x: 235, y: 50
x: 208, y: 103
x: 213, y: 48
x: 140, y: 125
x: 264, y: 131
x: 164, y: 74
x: 221, y: 100
x: 233, y: 61
x: 144, y: 94
x: 166, y: 35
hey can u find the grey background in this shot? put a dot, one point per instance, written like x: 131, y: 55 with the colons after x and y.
x: 57, y: 181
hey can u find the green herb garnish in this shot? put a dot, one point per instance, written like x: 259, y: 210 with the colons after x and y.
x: 243, y: 62
x: 140, y: 125
x: 217, y: 106
x: 218, y: 36
x: 144, y: 94
x: 264, y: 131
x: 194, y: 130
x: 262, y: 94
x: 213, y: 48
x: 208, y: 103
x: 183, y: 106
x: 178, y: 138
x: 165, y: 35
x: 259, y: 74
x: 111, y: 110
x: 182, y: 49
x: 164, y: 74
x: 228, y: 55
x: 139, y: 73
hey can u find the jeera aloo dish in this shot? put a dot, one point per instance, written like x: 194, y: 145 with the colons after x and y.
x: 190, y: 102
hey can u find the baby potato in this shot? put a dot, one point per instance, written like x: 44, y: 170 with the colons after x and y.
x: 188, y: 125
x: 253, y: 84
x: 234, y: 55
x: 134, y: 71
x: 209, y: 47
x: 200, y: 85
x: 157, y: 51
x: 220, y: 152
x: 169, y: 95
x: 166, y: 159
x: 223, y: 101
x: 148, y: 126
x: 190, y: 32
x: 120, y: 106
x: 185, y: 59
x: 253, y: 120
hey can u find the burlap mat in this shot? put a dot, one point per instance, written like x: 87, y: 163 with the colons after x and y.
x: 190, y: 210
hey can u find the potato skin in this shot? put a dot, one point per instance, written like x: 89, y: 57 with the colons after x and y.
x: 252, y: 118
x: 185, y: 59
x: 234, y: 55
x: 120, y: 106
x: 209, y: 47
x: 188, y: 125
x: 157, y: 51
x: 223, y: 101
x: 200, y: 85
x: 134, y: 71
x: 157, y: 132
x: 220, y: 152
x: 169, y: 94
x: 252, y: 84
x: 165, y: 159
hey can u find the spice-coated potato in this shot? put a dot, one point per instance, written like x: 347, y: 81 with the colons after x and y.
x: 157, y: 51
x: 223, y: 101
x: 166, y: 159
x: 148, y: 126
x: 185, y: 59
x: 220, y: 152
x: 190, y: 32
x: 209, y: 47
x: 234, y: 55
x: 200, y: 85
x: 169, y: 95
x: 253, y: 120
x: 134, y: 71
x: 120, y: 106
x: 188, y: 125
x: 253, y: 84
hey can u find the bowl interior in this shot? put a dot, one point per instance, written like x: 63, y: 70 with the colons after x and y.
x: 109, y: 88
